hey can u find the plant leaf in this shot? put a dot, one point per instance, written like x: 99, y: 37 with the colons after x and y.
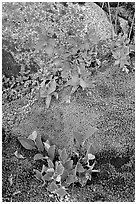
x: 91, y: 150
x: 63, y: 155
x: 66, y: 99
x: 50, y: 164
x: 125, y: 69
x: 51, y: 152
x: 44, y: 169
x: 68, y: 165
x: 55, y: 94
x: 47, y: 176
x: 64, y: 175
x: 18, y: 155
x: 82, y: 180
x: 52, y: 87
x: 43, y: 84
x: 71, y: 179
x: 46, y: 145
x: 117, y: 62
x: 39, y: 143
x: 50, y: 170
x: 79, y: 168
x: 59, y: 168
x: 52, y: 187
x: 91, y: 157
x: 74, y: 88
x: 73, y: 81
x: 82, y: 83
x: 43, y: 92
x: 132, y: 48
x: 58, y: 178
x: 116, y: 54
x: 124, y: 61
x: 79, y: 137
x: 73, y: 171
x: 33, y: 136
x: 27, y: 143
x: 61, y: 192
x: 81, y: 68
x: 48, y: 100
x: 125, y: 51
x: 123, y: 24
x: 38, y: 157
x: 88, y: 176
x: 89, y: 133
x: 38, y: 174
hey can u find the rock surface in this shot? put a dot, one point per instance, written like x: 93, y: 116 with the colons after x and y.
x: 95, y: 18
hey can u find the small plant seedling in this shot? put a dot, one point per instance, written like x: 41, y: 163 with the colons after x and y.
x: 121, y: 49
x: 18, y: 155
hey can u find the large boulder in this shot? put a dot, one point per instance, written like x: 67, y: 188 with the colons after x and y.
x: 96, y: 19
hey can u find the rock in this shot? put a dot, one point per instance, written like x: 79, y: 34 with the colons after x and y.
x: 9, y: 66
x: 96, y: 19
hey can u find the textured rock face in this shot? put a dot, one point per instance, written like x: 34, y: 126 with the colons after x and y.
x: 95, y: 18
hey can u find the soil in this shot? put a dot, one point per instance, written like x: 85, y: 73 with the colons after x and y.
x: 113, y: 104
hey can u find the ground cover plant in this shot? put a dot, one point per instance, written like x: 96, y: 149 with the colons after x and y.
x: 50, y: 56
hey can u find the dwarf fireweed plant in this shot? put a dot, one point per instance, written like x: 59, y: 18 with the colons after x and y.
x: 59, y: 170
x: 121, y: 48
x: 72, y: 66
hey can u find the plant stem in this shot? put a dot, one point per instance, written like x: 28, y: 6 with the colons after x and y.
x: 116, y: 17
x: 102, y: 5
x: 131, y: 26
x: 110, y: 19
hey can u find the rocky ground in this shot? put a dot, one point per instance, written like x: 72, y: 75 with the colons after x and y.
x: 108, y: 104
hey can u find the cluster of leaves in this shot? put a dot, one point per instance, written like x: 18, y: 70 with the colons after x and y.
x: 121, y: 46
x: 121, y: 49
x: 73, y: 63
x: 60, y: 170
